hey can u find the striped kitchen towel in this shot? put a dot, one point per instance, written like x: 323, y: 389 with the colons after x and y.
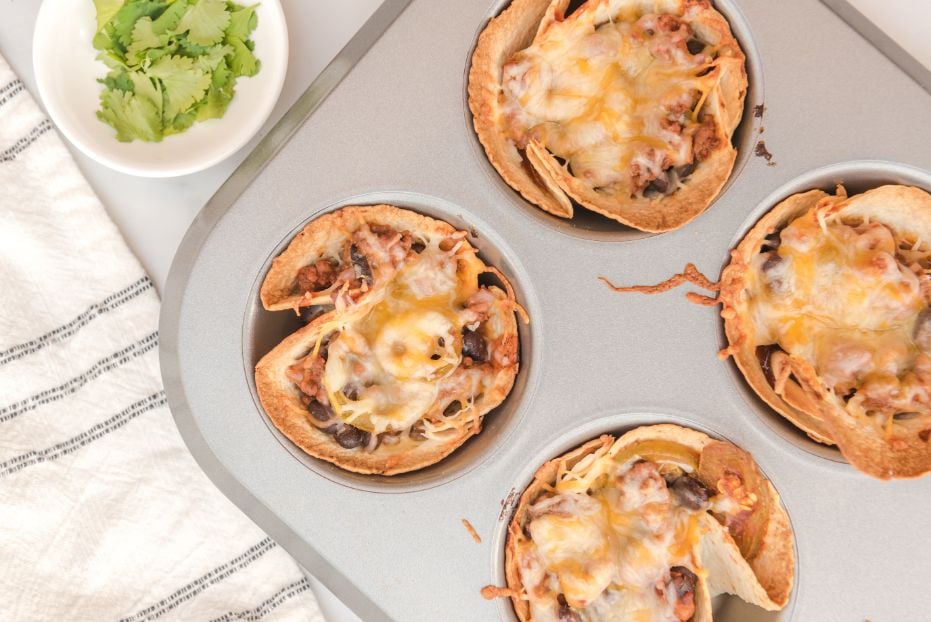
x: 104, y: 515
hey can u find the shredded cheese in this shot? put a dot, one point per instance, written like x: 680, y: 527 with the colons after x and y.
x: 605, y: 541
x: 613, y: 101
x: 839, y: 296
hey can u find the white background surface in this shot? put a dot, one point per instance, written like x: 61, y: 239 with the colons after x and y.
x: 153, y: 214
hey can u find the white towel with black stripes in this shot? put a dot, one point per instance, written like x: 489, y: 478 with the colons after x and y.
x: 104, y: 515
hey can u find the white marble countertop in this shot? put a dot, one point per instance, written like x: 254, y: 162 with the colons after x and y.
x: 154, y: 214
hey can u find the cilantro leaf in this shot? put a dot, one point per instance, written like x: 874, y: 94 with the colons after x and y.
x: 222, y: 76
x: 118, y: 79
x: 212, y: 57
x: 242, y: 23
x: 172, y: 62
x: 191, y: 49
x: 183, y: 84
x: 106, y: 9
x: 131, y: 116
x: 243, y: 62
x: 205, y: 22
x: 215, y: 104
x: 147, y: 88
x: 168, y: 21
x: 181, y: 122
x: 112, y: 60
x: 144, y: 38
x: 125, y: 18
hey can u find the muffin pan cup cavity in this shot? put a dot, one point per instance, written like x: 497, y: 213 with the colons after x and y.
x: 397, y: 129
x: 263, y: 330
x: 586, y: 224
x: 856, y: 176
x: 726, y: 608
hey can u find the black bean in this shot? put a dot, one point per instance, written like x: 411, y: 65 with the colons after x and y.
x: 772, y: 261
x: 683, y: 579
x: 685, y: 171
x: 319, y: 412
x: 565, y: 612
x: 417, y: 431
x: 331, y: 429
x: 418, y: 247
x: 309, y: 314
x: 360, y: 264
x: 694, y: 46
x: 351, y: 391
x: 474, y: 346
x: 452, y: 408
x: 350, y: 438
x: 773, y: 279
x: 324, y: 351
x: 690, y: 492
x: 763, y: 355
x: 660, y: 185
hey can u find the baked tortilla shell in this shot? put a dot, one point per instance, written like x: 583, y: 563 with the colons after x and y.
x: 511, y: 31
x: 539, y: 177
x: 738, y: 324
x: 807, y: 403
x: 281, y: 398
x: 324, y: 237
x: 766, y: 580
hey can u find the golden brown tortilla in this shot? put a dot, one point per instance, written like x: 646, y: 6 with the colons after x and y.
x: 541, y: 179
x: 765, y: 579
x: 904, y: 451
x: 281, y: 398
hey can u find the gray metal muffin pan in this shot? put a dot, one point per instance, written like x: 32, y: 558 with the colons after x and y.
x: 390, y: 123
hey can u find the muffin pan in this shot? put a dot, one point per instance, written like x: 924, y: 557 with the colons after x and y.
x: 390, y: 124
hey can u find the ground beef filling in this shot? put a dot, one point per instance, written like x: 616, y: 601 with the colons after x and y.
x: 691, y: 135
x: 307, y: 374
x: 352, y: 268
x: 317, y: 276
x: 844, y: 372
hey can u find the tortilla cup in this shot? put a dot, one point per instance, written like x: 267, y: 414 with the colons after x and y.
x: 763, y: 578
x: 536, y: 173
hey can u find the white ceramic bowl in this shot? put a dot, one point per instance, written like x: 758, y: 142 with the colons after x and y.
x: 66, y: 71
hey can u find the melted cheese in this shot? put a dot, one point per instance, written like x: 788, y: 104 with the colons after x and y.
x: 609, y: 549
x: 385, y: 369
x: 575, y: 548
x: 838, y: 297
x: 599, y: 98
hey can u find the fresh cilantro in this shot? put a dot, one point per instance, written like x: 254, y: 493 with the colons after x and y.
x: 243, y: 62
x: 125, y: 19
x: 168, y: 21
x: 118, y: 79
x: 131, y: 116
x: 212, y: 57
x: 242, y: 22
x: 106, y: 9
x: 144, y: 38
x: 206, y: 21
x: 146, y: 88
x: 172, y: 62
x: 184, y: 85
